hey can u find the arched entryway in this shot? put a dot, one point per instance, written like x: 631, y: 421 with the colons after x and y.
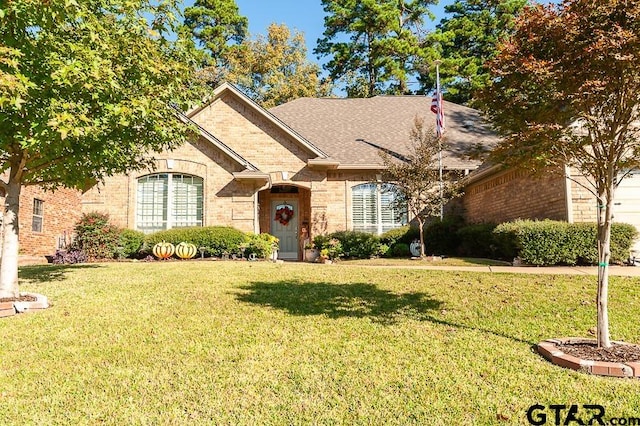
x: 285, y: 213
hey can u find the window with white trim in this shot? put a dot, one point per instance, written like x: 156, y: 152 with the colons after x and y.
x: 374, y: 208
x: 37, y: 220
x: 168, y: 200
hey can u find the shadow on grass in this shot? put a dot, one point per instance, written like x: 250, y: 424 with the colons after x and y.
x: 358, y: 300
x: 38, y: 274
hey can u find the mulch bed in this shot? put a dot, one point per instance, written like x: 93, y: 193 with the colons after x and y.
x: 590, y: 351
x: 22, y: 298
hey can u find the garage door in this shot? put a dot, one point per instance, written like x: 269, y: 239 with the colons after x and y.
x: 627, y: 204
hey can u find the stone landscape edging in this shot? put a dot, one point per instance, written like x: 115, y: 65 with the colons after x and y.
x: 549, y: 349
x: 8, y: 309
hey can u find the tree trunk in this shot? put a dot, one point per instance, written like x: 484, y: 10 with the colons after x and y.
x: 605, y: 204
x: 10, y: 231
x: 421, y: 224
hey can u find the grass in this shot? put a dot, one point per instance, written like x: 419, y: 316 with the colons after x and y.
x: 260, y: 343
x: 446, y: 261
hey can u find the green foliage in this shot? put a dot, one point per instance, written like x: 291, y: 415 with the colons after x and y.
x: 96, y: 237
x: 372, y: 45
x: 477, y: 240
x: 404, y: 234
x: 262, y: 245
x: 329, y: 246
x: 273, y: 70
x: 358, y: 245
x: 441, y: 237
x: 559, y: 243
x: 468, y: 38
x: 130, y: 243
x: 216, y: 24
x: 400, y: 250
x: 217, y: 240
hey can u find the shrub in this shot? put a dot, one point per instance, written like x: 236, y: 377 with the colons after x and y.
x: 477, y: 240
x: 69, y: 257
x: 96, y: 237
x: 440, y: 237
x: 262, y: 245
x: 560, y: 243
x: 216, y: 240
x: 404, y: 234
x: 130, y: 243
x: 328, y: 246
x: 400, y: 250
x: 358, y: 245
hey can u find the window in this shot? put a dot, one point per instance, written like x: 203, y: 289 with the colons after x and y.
x: 374, y: 208
x: 168, y: 200
x: 38, y: 215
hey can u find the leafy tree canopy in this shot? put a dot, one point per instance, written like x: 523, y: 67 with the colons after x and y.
x: 466, y: 41
x: 85, y: 88
x: 373, y: 45
x: 274, y: 69
x: 566, y: 91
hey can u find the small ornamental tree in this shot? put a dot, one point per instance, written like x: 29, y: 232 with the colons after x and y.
x: 85, y: 88
x: 416, y: 176
x: 566, y: 92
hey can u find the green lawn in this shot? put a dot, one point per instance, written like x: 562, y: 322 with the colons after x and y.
x: 262, y: 343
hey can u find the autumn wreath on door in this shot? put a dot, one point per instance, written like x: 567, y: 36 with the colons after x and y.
x: 284, y: 213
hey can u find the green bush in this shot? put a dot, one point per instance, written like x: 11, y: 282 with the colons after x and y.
x: 404, y: 234
x: 328, y: 246
x: 96, y: 237
x: 400, y: 250
x: 216, y: 240
x: 440, y: 237
x: 130, y: 243
x: 358, y: 245
x: 477, y: 240
x: 262, y: 245
x: 559, y: 243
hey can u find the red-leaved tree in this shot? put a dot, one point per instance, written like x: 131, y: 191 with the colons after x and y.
x: 566, y: 92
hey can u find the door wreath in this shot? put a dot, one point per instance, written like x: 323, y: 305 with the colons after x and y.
x: 284, y: 213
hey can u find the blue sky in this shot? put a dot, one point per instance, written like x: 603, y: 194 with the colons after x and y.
x: 306, y: 16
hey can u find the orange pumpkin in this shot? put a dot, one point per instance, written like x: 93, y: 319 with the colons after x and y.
x: 163, y: 250
x: 186, y: 250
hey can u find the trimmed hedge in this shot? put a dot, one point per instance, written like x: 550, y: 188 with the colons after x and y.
x: 358, y: 245
x: 441, y: 237
x: 559, y: 243
x: 216, y: 240
x: 477, y: 240
x: 131, y: 243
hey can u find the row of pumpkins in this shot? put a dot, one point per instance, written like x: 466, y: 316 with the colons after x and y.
x: 164, y: 250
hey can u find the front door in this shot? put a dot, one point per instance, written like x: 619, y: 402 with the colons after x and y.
x: 284, y: 226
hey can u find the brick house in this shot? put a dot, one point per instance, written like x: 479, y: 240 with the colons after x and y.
x: 46, y: 219
x: 495, y: 194
x: 301, y: 169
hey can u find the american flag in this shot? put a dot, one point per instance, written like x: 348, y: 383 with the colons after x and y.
x: 437, y: 108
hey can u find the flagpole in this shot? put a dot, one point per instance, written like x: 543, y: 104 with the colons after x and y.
x: 439, y: 97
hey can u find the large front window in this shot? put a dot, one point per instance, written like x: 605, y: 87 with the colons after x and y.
x: 375, y: 209
x: 168, y: 200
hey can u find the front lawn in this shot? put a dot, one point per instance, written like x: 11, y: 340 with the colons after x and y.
x: 262, y: 343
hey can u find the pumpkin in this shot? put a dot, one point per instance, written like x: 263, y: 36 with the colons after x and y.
x: 186, y: 250
x: 163, y: 250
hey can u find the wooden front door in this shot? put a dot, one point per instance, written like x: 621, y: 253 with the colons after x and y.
x: 284, y: 225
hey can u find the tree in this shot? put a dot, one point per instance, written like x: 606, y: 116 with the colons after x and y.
x: 566, y: 91
x: 219, y: 28
x: 416, y: 176
x: 274, y: 69
x: 373, y: 44
x: 85, y: 89
x: 466, y: 41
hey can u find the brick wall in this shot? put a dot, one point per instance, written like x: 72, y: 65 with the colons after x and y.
x: 60, y: 214
x: 512, y: 194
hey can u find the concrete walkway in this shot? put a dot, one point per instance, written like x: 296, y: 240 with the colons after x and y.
x: 615, y: 270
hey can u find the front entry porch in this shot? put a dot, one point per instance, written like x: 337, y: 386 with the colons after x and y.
x: 284, y: 212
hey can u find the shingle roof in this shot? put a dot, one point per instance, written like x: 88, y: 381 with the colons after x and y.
x: 347, y: 129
